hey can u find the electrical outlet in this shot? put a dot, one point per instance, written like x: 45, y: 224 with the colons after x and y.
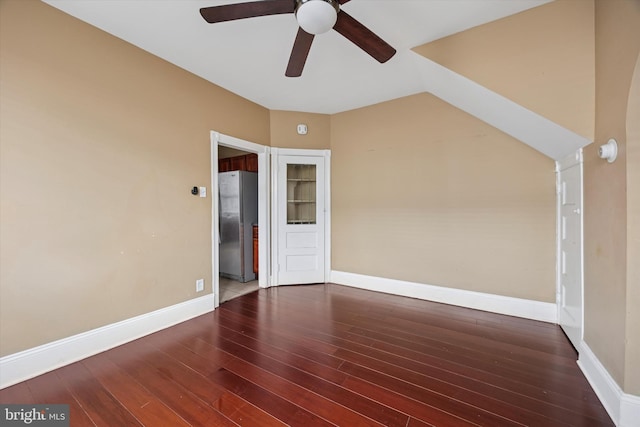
x: 199, y: 285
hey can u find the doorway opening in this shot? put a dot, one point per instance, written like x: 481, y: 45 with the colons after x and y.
x: 238, y: 222
x: 240, y: 217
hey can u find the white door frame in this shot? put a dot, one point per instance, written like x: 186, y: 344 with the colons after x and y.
x: 264, y: 264
x: 573, y: 160
x: 275, y: 152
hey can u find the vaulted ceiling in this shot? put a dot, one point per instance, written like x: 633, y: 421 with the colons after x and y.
x: 249, y: 57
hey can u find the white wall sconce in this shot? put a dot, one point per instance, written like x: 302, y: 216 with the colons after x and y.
x: 609, y: 151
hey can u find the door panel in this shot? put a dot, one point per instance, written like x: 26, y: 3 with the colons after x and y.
x: 570, y: 262
x: 302, y: 240
x: 300, y: 219
x: 301, y: 263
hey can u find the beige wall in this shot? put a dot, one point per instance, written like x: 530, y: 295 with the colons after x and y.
x: 632, y: 361
x: 542, y: 58
x: 285, y: 135
x: 100, y: 143
x: 423, y: 192
x: 617, y: 29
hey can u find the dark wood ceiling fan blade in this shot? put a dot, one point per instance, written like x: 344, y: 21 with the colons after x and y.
x: 363, y: 37
x: 342, y: 1
x: 299, y: 53
x: 230, y: 12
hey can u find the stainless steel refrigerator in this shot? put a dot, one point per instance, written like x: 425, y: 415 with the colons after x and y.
x: 238, y: 212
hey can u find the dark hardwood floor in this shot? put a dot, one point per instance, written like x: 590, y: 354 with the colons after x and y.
x: 329, y: 355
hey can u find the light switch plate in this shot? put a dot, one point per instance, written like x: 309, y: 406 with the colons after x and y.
x: 202, y: 191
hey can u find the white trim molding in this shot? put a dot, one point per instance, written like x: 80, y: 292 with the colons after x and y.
x: 529, y: 309
x: 623, y: 408
x: 30, y: 363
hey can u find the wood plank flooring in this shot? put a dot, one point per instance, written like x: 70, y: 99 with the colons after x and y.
x: 321, y: 355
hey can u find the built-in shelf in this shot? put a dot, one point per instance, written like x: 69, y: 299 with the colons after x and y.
x: 301, y: 194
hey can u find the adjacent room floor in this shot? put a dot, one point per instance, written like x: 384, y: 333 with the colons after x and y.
x: 230, y: 289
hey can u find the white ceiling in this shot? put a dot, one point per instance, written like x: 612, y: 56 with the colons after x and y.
x: 249, y: 57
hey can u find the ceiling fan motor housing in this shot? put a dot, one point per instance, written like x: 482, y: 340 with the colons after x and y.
x: 314, y: 17
x: 317, y: 16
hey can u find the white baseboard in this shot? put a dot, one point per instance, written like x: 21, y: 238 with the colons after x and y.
x: 623, y: 408
x: 528, y: 309
x: 30, y: 363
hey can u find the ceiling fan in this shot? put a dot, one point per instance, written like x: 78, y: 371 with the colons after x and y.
x: 314, y: 17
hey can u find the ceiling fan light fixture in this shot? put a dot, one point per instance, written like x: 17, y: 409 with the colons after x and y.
x: 317, y: 16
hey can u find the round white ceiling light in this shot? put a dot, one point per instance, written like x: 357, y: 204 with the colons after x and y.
x: 317, y: 16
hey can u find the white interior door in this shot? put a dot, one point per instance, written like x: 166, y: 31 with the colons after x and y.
x: 570, y: 256
x: 301, y: 216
